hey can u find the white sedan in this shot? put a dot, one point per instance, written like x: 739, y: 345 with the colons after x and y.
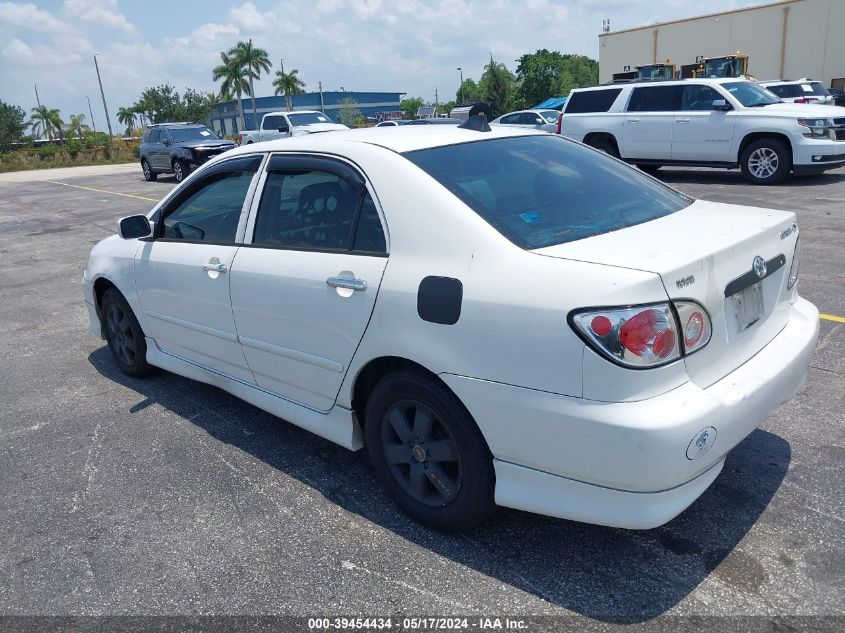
x: 501, y: 317
x: 545, y: 120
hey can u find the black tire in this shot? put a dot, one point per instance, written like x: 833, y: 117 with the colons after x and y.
x: 124, y: 335
x: 446, y: 481
x: 649, y: 169
x: 181, y: 169
x: 766, y: 162
x: 149, y: 174
x: 606, y: 145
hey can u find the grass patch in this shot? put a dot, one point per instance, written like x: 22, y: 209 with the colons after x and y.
x: 71, y: 154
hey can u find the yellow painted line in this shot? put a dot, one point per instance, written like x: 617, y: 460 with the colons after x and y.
x: 114, y: 193
x: 830, y: 317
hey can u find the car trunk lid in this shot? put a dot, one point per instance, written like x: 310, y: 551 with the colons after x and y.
x: 706, y: 253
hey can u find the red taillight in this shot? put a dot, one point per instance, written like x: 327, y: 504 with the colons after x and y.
x: 646, y: 336
x: 802, y: 100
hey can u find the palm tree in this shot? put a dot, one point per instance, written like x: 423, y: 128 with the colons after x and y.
x: 126, y: 116
x: 76, y: 127
x: 46, y: 120
x: 234, y: 80
x: 288, y: 84
x: 253, y: 61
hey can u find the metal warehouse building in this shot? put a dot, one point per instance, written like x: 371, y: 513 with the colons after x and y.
x: 791, y: 39
x: 224, y: 117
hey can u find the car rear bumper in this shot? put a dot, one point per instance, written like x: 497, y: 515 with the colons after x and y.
x: 553, y: 452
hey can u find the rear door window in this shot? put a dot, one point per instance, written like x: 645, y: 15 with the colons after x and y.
x: 544, y: 190
x: 155, y: 135
x: 655, y: 99
x: 589, y: 101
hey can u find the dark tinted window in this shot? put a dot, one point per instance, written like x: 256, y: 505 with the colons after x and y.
x: 369, y: 236
x: 655, y: 99
x: 785, y: 92
x: 155, y: 135
x: 544, y: 190
x: 511, y: 119
x: 699, y: 97
x: 210, y: 210
x: 305, y: 209
x: 273, y: 122
x: 146, y: 137
x: 591, y: 101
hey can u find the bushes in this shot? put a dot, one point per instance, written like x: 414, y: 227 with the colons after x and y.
x: 75, y: 152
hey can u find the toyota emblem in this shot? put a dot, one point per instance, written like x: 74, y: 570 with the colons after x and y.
x: 760, y: 266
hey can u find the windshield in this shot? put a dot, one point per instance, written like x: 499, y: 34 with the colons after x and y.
x: 181, y: 134
x: 550, y: 115
x: 544, y: 190
x: 307, y: 118
x: 750, y: 94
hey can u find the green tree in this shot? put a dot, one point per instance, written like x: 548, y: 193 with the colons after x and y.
x: 497, y: 84
x: 12, y: 125
x: 445, y: 108
x: 410, y: 106
x: 46, y: 121
x: 234, y: 80
x: 288, y: 84
x: 469, y: 92
x: 349, y: 115
x: 195, y: 106
x: 253, y: 61
x: 546, y: 74
x: 76, y: 127
x: 126, y: 116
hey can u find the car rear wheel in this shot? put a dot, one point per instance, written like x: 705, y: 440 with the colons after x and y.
x: 428, y: 453
x: 605, y: 145
x: 149, y: 174
x: 766, y: 162
x: 181, y: 169
x: 124, y: 335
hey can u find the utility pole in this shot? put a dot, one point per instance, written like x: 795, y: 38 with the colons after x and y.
x: 103, y: 94
x: 322, y: 105
x: 91, y: 112
x: 461, y: 87
x: 436, y: 102
x: 37, y: 100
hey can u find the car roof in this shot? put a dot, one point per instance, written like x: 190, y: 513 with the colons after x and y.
x: 664, y: 82
x: 401, y: 138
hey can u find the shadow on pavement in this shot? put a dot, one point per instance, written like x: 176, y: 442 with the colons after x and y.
x: 674, y: 175
x: 605, y: 573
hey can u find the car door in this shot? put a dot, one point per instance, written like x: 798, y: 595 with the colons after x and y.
x: 305, y: 284
x: 154, y: 152
x: 649, y: 119
x: 182, y: 272
x: 702, y: 133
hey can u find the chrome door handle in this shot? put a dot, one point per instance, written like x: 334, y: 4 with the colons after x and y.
x: 682, y: 120
x: 345, y: 282
x: 218, y: 268
x: 633, y: 120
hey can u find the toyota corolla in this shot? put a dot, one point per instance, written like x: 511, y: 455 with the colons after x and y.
x: 501, y: 317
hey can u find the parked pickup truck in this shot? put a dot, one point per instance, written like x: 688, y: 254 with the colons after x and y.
x: 284, y: 124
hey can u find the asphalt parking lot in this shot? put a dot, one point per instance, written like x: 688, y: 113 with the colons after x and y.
x: 165, y: 496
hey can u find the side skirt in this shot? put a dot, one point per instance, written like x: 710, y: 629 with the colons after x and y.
x: 337, y: 425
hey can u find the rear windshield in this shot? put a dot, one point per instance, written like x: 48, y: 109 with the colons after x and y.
x: 544, y: 190
x: 181, y: 134
x: 307, y: 118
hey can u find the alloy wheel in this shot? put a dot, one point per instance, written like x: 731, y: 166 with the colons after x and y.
x: 763, y: 163
x: 177, y: 171
x: 120, y: 333
x: 420, y: 453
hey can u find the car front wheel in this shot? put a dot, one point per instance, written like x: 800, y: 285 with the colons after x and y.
x: 428, y: 453
x: 149, y: 174
x: 181, y: 169
x: 766, y: 162
x: 124, y: 335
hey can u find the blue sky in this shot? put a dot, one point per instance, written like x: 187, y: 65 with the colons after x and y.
x: 413, y: 46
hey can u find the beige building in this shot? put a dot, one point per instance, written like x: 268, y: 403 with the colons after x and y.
x: 790, y: 39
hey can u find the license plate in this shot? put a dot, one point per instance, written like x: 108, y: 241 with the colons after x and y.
x: 748, y: 305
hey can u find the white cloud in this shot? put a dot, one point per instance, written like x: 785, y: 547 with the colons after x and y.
x: 99, y: 13
x: 29, y: 16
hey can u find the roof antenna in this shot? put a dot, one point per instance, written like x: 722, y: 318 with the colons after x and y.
x: 477, y: 119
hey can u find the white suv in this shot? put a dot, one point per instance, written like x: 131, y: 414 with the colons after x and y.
x: 726, y: 123
x: 799, y: 91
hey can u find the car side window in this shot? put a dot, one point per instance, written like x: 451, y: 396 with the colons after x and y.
x: 511, y: 119
x: 306, y: 208
x: 369, y: 235
x: 655, y: 99
x: 210, y: 209
x: 699, y: 97
x: 273, y: 122
x: 154, y: 136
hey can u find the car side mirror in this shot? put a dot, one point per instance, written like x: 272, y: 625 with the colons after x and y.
x: 167, y: 142
x: 284, y: 129
x: 134, y: 227
x: 721, y: 104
